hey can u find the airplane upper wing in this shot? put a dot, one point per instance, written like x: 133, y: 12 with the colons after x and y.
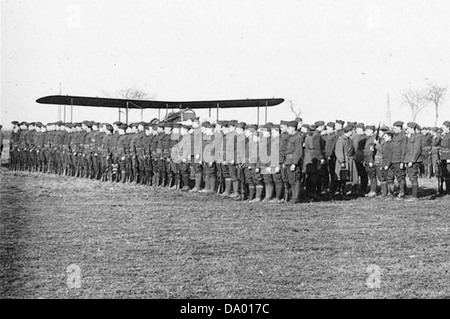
x: 148, y: 104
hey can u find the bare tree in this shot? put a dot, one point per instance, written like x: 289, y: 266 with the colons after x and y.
x: 132, y: 93
x: 436, y: 94
x: 297, y: 112
x: 416, y: 100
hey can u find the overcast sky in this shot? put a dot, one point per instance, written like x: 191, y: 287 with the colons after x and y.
x: 333, y: 59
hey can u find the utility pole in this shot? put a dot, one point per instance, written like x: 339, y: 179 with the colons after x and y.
x: 388, y: 111
x: 59, y: 106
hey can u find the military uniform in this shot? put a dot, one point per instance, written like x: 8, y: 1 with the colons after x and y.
x: 293, y: 164
x: 413, y: 158
x: 445, y: 158
x: 397, y: 168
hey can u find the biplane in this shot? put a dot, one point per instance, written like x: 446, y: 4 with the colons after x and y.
x: 185, y: 110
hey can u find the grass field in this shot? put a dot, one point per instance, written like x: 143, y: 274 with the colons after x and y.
x: 136, y: 242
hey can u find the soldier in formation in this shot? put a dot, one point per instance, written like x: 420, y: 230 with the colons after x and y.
x: 289, y: 162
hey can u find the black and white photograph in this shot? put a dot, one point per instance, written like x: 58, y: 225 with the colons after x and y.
x: 225, y: 155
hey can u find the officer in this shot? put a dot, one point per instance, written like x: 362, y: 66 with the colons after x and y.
x: 427, y: 140
x: 267, y: 145
x: 359, y: 142
x: 398, y: 170
x: 106, y: 152
x: 413, y: 157
x: 345, y: 170
x: 14, y: 146
x: 293, y: 161
x: 445, y: 155
x: 384, y: 156
x: 371, y: 166
x: 314, y: 160
x: 208, y: 158
x: 329, y: 182
x: 1, y: 144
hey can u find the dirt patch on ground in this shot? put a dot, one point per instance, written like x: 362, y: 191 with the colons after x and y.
x: 137, y: 242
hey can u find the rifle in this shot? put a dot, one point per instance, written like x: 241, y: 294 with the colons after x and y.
x: 220, y: 179
x: 377, y: 137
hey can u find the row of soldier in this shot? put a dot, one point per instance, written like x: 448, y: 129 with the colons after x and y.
x: 312, y: 162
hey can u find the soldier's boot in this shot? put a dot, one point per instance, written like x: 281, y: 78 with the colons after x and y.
x: 259, y: 193
x: 207, y: 186
x: 251, y: 192
x: 157, y: 180
x: 236, y: 194
x: 123, y: 176
x: 296, y: 193
x: 391, y: 187
x: 198, y: 183
x: 384, y: 189
x: 278, y: 194
x: 227, y: 191
x: 137, y: 178
x: 447, y: 186
x: 185, y: 179
x: 401, y: 194
x: 415, y: 190
x: 287, y: 193
x: 373, y: 188
x: 175, y: 184
x: 212, y: 184
x: 269, y: 193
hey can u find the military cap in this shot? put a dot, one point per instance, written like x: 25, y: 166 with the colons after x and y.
x: 222, y: 123
x: 313, y: 127
x: 389, y: 132
x: 39, y: 124
x: 306, y: 126
x: 412, y: 125
x: 275, y: 127
x: 352, y: 123
x: 252, y: 127
x: 399, y: 124
x: 371, y: 127
x: 123, y: 126
x: 270, y: 123
x: 14, y: 123
x: 292, y: 124
x: 283, y: 123
x: 298, y: 119
x: 266, y: 127
x: 319, y: 123
x: 109, y: 127
x: 206, y: 124
x: 331, y: 124
x: 360, y: 125
x: 446, y: 123
x: 348, y: 128
x: 241, y: 125
x: 340, y: 122
x: 232, y: 123
x: 117, y: 123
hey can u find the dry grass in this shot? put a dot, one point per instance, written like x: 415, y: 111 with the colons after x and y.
x: 136, y: 242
